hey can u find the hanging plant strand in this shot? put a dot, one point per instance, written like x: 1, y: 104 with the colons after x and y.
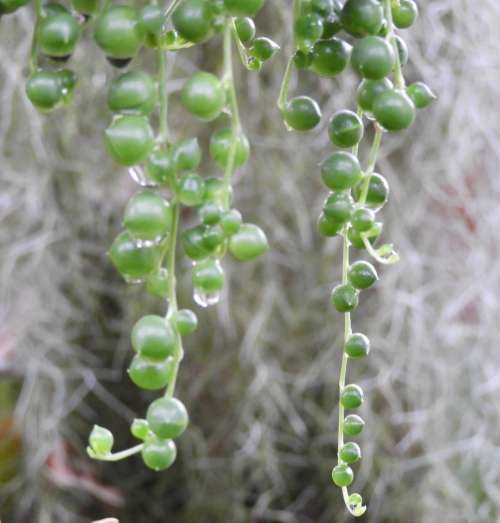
x: 356, y: 193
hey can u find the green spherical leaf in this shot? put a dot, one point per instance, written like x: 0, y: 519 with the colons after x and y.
x: 213, y: 236
x: 118, y: 32
x: 245, y: 28
x: 378, y: 192
x: 345, y: 298
x: 403, y: 52
x: 149, y: 374
x: 101, y: 441
x: 134, y: 92
x: 186, y: 154
x: 363, y: 219
x: 153, y: 338
x: 341, y: 171
x: 263, y: 49
x: 44, y: 90
x: 345, y: 129
x: 369, y: 90
x: 362, y: 275
x: 191, y: 190
x: 208, y: 276
x: 352, y: 396
x: 394, y: 110
x: 133, y: 261
x: 58, y: 34
x: 152, y: 19
x: 404, y: 14
x: 215, y: 190
x: 158, y: 454
x: 330, y: 57
x: 421, y: 94
x: 231, y: 222
x: 167, y: 418
x: 203, y: 95
x: 308, y: 29
x: 353, y: 425
x: 373, y: 58
x: 186, y: 322
x: 302, y: 60
x: 220, y: 148
x: 350, y: 453
x: 147, y: 216
x: 322, y: 7
x: 362, y: 17
x: 342, y: 475
x: 328, y: 228
x: 248, y: 243
x: 193, y: 20
x: 372, y: 235
x: 338, y: 206
x: 192, y: 243
x: 139, y: 429
x: 357, y: 346
x: 210, y: 213
x: 129, y: 139
x: 302, y: 113
x: 160, y: 166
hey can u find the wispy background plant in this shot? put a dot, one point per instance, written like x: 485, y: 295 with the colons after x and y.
x: 260, y: 376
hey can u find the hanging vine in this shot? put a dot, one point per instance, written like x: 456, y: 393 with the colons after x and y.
x: 356, y: 193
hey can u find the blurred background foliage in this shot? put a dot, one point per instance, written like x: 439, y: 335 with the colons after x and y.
x: 260, y: 375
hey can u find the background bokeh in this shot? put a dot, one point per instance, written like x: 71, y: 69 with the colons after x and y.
x: 260, y: 376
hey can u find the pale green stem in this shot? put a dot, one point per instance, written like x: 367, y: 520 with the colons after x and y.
x: 171, y: 8
x: 39, y: 13
x: 283, y: 96
x: 372, y: 161
x: 172, y: 296
x: 399, y: 80
x: 163, y: 134
x: 233, y: 108
x: 117, y: 456
x: 343, y: 366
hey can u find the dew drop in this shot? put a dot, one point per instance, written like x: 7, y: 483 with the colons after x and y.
x: 134, y: 281
x: 206, y: 299
x: 139, y: 176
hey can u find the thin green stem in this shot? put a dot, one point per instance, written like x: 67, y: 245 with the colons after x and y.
x: 285, y: 83
x: 163, y: 134
x: 171, y: 8
x: 233, y: 107
x: 172, y: 296
x: 372, y: 162
x: 117, y: 456
x: 343, y: 372
x: 399, y: 80
x: 39, y: 14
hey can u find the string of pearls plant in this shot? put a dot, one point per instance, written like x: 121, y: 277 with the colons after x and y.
x: 328, y: 35
x: 375, y: 52
x: 167, y: 171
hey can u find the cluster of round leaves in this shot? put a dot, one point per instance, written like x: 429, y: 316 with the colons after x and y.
x: 56, y: 36
x: 322, y: 50
x: 130, y: 141
x: 328, y: 36
x: 120, y: 31
x: 149, y: 219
